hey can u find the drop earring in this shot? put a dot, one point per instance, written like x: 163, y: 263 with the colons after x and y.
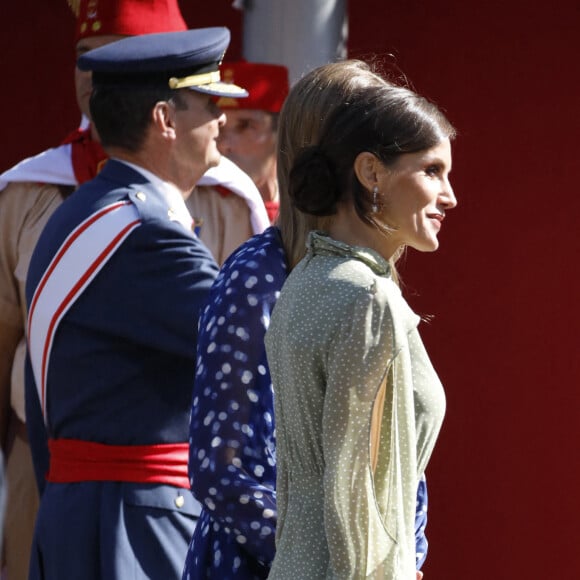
x: 375, y: 206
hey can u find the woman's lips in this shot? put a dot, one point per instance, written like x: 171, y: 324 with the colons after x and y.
x: 437, y: 217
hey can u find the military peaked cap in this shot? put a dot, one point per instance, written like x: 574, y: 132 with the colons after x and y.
x: 188, y: 59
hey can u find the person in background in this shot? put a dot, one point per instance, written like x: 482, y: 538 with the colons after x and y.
x: 114, y: 289
x: 250, y: 135
x: 226, y: 208
x: 232, y: 464
x: 29, y: 194
x: 358, y: 404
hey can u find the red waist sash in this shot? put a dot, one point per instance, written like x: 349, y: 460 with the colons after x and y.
x: 73, y: 460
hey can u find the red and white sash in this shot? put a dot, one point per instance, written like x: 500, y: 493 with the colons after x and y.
x: 82, y: 255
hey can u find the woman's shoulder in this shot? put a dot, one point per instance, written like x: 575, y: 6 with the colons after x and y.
x: 258, y: 266
x: 342, y: 276
x: 261, y: 252
x: 326, y: 285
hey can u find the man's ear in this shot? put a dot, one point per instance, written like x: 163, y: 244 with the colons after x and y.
x: 367, y: 168
x: 164, y: 119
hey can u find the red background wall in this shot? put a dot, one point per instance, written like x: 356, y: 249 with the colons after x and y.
x: 503, y: 289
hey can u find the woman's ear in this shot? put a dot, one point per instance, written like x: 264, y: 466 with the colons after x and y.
x: 164, y: 119
x: 367, y: 168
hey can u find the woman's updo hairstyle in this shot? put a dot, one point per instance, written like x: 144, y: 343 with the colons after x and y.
x: 302, y: 122
x: 314, y: 187
x: 373, y: 115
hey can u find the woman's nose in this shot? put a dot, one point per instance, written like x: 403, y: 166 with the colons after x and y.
x: 448, y: 197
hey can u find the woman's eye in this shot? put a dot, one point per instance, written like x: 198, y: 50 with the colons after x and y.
x: 433, y: 170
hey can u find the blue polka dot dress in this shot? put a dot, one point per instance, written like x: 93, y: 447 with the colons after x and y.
x: 232, y: 454
x: 232, y: 445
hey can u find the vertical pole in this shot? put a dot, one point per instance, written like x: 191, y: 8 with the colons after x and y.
x: 301, y: 34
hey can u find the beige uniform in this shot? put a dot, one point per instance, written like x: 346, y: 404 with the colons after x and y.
x: 24, y: 210
x: 222, y: 219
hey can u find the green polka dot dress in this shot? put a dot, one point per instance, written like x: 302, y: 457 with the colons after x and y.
x: 338, y: 330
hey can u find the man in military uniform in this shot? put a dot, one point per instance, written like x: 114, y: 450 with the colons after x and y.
x: 114, y: 288
x: 29, y: 194
x: 226, y: 205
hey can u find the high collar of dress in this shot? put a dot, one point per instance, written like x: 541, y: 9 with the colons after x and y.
x: 321, y: 243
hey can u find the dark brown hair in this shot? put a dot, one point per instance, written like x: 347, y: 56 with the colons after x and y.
x: 303, y: 119
x: 122, y: 116
x: 369, y: 114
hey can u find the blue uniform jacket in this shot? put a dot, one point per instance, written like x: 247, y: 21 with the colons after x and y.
x: 121, y: 372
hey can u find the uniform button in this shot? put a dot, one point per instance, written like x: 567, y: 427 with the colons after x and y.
x: 141, y: 196
x: 179, y: 501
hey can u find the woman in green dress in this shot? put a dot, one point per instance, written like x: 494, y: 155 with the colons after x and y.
x: 358, y: 404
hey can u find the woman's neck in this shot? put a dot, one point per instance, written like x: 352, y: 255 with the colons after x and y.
x: 347, y: 227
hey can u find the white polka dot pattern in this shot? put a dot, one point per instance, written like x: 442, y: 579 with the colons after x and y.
x: 232, y: 444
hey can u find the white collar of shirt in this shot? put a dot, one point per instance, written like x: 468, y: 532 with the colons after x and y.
x: 177, y: 209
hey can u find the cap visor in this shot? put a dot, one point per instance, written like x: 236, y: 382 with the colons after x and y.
x: 221, y: 90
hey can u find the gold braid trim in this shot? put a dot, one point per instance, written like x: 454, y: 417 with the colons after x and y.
x: 194, y: 80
